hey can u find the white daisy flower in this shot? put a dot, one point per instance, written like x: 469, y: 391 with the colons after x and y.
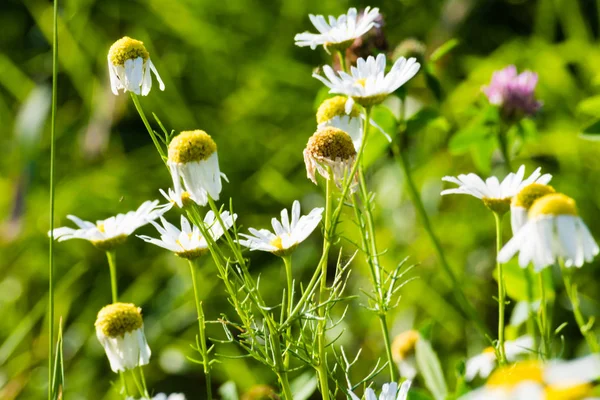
x: 532, y: 380
x: 367, y: 84
x: 495, y: 195
x: 339, y: 33
x: 120, y: 330
x: 129, y: 66
x: 188, y: 242
x: 403, y: 353
x: 330, y: 149
x: 109, y: 233
x: 288, y: 234
x: 389, y: 391
x: 193, y: 158
x: 521, y: 203
x: 162, y: 396
x: 184, y: 198
x: 553, y: 231
x: 484, y: 363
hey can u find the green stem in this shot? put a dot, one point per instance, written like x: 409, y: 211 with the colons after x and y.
x: 138, y: 106
x: 124, y: 383
x: 52, y: 191
x: 531, y: 313
x: 112, y: 265
x: 342, y: 59
x: 287, y: 260
x: 146, y: 393
x: 501, y: 291
x: 201, y: 330
x: 142, y: 391
x: 388, y: 346
x: 372, y: 242
x: 543, y: 320
x: 584, y: 327
x: 503, y: 142
x: 285, y: 386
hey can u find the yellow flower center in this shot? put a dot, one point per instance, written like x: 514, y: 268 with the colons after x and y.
x: 331, y: 143
x: 404, y: 344
x: 553, y: 204
x: 191, y: 146
x: 277, y: 242
x: 576, y: 392
x: 119, y: 318
x: 100, y: 227
x: 362, y: 82
x: 489, y: 350
x: 125, y: 49
x: 334, y: 107
x: 530, y: 194
x: 512, y: 375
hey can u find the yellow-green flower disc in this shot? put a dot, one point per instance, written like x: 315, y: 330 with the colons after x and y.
x: 191, y: 146
x: 331, y: 143
x: 125, y: 49
x: 119, y: 318
x: 335, y: 107
x: 404, y: 344
x: 529, y: 194
x: 553, y: 204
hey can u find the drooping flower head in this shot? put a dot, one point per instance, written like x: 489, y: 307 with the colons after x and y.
x: 188, y: 242
x: 403, y: 352
x: 484, y: 363
x: 193, y: 158
x: 389, y: 391
x: 339, y: 33
x: 553, y: 231
x: 129, y: 66
x: 330, y: 150
x: 513, y: 92
x: 522, y: 202
x: 495, y: 195
x: 288, y: 234
x: 109, y: 233
x: 120, y: 330
x: 368, y: 84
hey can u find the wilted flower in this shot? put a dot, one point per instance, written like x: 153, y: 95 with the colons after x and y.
x: 188, y: 242
x: 288, y: 234
x: 389, y: 391
x: 129, y: 66
x: 340, y: 32
x: 495, y: 195
x: 554, y: 231
x: 330, y: 149
x: 109, y: 233
x: 120, y: 330
x: 403, y: 352
x: 484, y: 363
x: 513, y: 92
x: 193, y: 158
x: 522, y: 202
x: 367, y: 84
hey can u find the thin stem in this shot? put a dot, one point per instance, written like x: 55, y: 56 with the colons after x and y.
x: 52, y: 191
x: 503, y: 142
x: 112, y: 265
x: 543, y: 319
x: 388, y: 346
x: 287, y: 260
x: 124, y: 383
x: 342, y: 60
x: 372, y: 242
x: 146, y: 393
x: 501, y: 291
x: 138, y: 106
x: 201, y: 330
x: 285, y: 386
x: 531, y: 313
x: 142, y: 391
x: 584, y: 327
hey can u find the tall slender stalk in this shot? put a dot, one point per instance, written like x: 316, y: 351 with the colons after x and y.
x: 287, y: 260
x: 543, y: 318
x: 52, y: 192
x: 201, y: 331
x: 112, y: 266
x: 530, y: 310
x: 138, y: 106
x: 501, y: 291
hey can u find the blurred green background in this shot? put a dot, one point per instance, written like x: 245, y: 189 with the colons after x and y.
x: 231, y: 68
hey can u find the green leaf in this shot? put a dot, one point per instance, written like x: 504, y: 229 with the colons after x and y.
x: 304, y: 386
x: 444, y: 49
x: 58, y: 373
x: 430, y: 369
x: 591, y: 132
x: 418, y: 394
x: 515, y: 280
x: 433, y: 83
x: 228, y: 391
x: 421, y: 119
x: 477, y: 131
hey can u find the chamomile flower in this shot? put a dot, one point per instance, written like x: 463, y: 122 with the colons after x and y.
x: 193, y: 158
x: 368, y: 84
x: 403, y: 352
x: 188, y: 242
x: 389, y: 391
x: 340, y: 32
x: 532, y: 380
x: 521, y: 203
x: 484, y: 363
x: 288, y: 234
x: 553, y: 231
x: 174, y: 199
x: 129, y: 66
x: 495, y: 195
x: 331, y: 153
x: 109, y: 233
x: 120, y: 330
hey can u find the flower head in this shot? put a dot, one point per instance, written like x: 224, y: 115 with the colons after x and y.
x: 162, y: 396
x: 129, y: 66
x: 553, y: 231
x: 193, y: 158
x: 109, y: 233
x: 329, y: 149
x: 184, y: 198
x: 120, y: 330
x: 522, y: 202
x: 368, y: 84
x: 188, y: 242
x: 484, y: 363
x: 389, y: 391
x: 288, y: 234
x: 339, y: 33
x: 495, y: 195
x: 513, y: 92
x: 403, y: 352
x: 260, y: 392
